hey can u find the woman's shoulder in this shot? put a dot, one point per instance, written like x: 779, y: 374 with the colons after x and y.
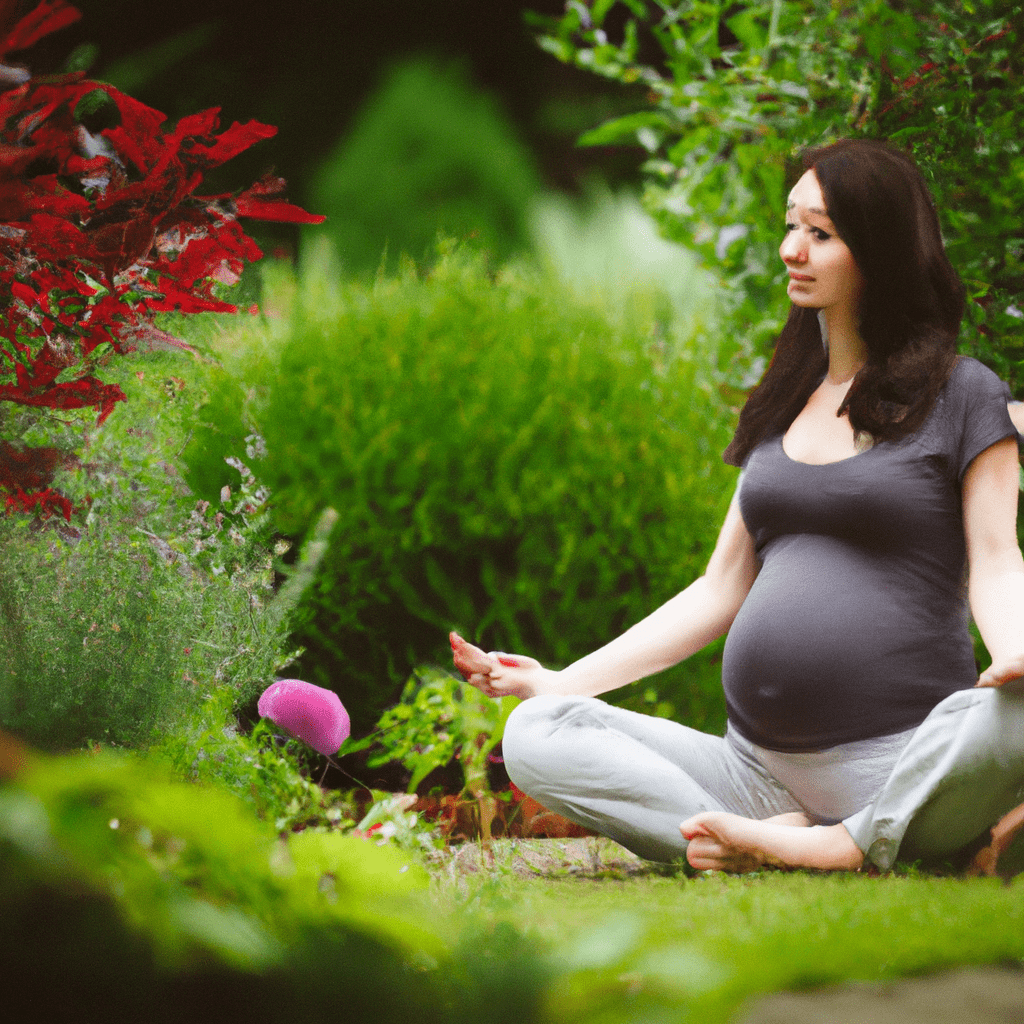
x: 970, y: 378
x: 971, y: 413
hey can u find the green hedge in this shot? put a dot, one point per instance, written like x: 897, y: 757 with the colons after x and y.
x: 505, y: 459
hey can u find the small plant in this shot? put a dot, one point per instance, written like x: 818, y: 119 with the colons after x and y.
x: 261, y: 768
x: 440, y: 719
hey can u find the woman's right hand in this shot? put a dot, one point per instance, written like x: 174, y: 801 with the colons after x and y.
x: 501, y: 675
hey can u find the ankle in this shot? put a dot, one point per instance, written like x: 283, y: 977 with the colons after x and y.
x: 833, y: 849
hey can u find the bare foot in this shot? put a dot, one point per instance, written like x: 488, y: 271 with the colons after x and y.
x: 727, y: 842
x: 796, y: 818
x: 986, y: 861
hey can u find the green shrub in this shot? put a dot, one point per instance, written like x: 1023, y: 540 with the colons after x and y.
x: 429, y: 153
x: 505, y: 459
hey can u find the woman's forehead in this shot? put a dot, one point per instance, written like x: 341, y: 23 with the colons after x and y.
x: 806, y: 194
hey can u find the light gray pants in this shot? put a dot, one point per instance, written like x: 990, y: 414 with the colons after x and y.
x: 924, y: 794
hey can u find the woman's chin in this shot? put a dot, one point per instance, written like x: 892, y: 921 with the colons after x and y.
x: 801, y: 297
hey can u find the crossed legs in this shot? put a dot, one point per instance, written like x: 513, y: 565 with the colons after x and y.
x: 634, y: 778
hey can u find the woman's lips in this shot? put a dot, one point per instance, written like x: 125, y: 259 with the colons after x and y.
x: 800, y: 277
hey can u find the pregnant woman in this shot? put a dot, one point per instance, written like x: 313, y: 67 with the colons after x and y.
x: 878, y: 493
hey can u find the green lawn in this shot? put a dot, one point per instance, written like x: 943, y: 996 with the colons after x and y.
x: 635, y: 946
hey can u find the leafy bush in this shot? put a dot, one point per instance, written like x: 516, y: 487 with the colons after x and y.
x: 102, y: 229
x: 504, y: 459
x: 429, y: 153
x: 735, y: 91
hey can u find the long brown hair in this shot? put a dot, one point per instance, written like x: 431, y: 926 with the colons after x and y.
x: 909, y: 311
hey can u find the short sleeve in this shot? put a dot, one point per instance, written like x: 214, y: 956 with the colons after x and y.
x: 978, y: 404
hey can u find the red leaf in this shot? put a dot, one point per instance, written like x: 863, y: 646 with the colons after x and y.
x: 203, y: 123
x: 175, y: 300
x: 49, y: 16
x: 276, y: 210
x: 73, y: 394
x: 237, y: 138
x: 47, y: 502
x: 137, y: 137
x: 23, y: 292
x: 54, y: 239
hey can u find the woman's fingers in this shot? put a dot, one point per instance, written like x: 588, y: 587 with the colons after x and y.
x: 470, y: 660
x: 1005, y: 671
x: 496, y: 673
x: 693, y: 827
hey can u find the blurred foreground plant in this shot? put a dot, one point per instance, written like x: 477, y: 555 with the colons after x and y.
x: 132, y: 897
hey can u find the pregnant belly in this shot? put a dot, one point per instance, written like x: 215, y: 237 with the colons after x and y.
x: 830, y: 646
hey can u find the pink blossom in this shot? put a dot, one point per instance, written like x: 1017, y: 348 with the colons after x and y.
x: 310, y: 713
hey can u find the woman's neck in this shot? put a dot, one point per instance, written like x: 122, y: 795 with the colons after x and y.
x: 847, y: 352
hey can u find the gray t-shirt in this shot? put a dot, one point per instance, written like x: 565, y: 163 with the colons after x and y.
x: 857, y: 625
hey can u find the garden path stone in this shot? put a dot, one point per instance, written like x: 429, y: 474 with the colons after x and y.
x: 591, y: 856
x: 971, y: 995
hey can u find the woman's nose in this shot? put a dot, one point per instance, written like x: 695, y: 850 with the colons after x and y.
x: 792, y: 249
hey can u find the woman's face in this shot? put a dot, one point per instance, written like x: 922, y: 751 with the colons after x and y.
x: 822, y: 271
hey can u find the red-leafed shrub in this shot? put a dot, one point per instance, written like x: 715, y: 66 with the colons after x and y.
x: 102, y: 227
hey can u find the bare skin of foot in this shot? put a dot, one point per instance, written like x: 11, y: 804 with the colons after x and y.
x: 986, y: 861
x: 727, y: 842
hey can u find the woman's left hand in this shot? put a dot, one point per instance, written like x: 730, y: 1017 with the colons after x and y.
x: 1003, y: 671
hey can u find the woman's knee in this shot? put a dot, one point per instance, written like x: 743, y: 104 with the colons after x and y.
x: 530, y: 737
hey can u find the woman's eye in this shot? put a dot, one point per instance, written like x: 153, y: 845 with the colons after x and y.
x: 790, y: 227
x: 821, y: 236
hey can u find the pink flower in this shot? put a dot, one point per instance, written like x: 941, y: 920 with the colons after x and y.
x: 310, y: 713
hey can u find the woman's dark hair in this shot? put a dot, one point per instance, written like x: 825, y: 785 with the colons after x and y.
x: 909, y: 311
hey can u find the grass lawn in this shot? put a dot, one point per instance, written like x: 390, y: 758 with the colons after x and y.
x: 631, y: 944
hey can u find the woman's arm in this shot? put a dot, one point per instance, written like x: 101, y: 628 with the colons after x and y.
x: 682, y: 626
x: 996, y: 567
x: 1016, y: 411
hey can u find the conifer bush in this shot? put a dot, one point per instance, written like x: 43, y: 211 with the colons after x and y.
x: 505, y: 460
x: 430, y: 152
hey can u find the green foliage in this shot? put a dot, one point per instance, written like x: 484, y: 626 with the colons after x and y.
x: 439, y: 719
x: 504, y: 459
x: 260, y: 767
x: 736, y: 92
x: 159, y: 899
x: 429, y: 153
x: 119, y: 628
